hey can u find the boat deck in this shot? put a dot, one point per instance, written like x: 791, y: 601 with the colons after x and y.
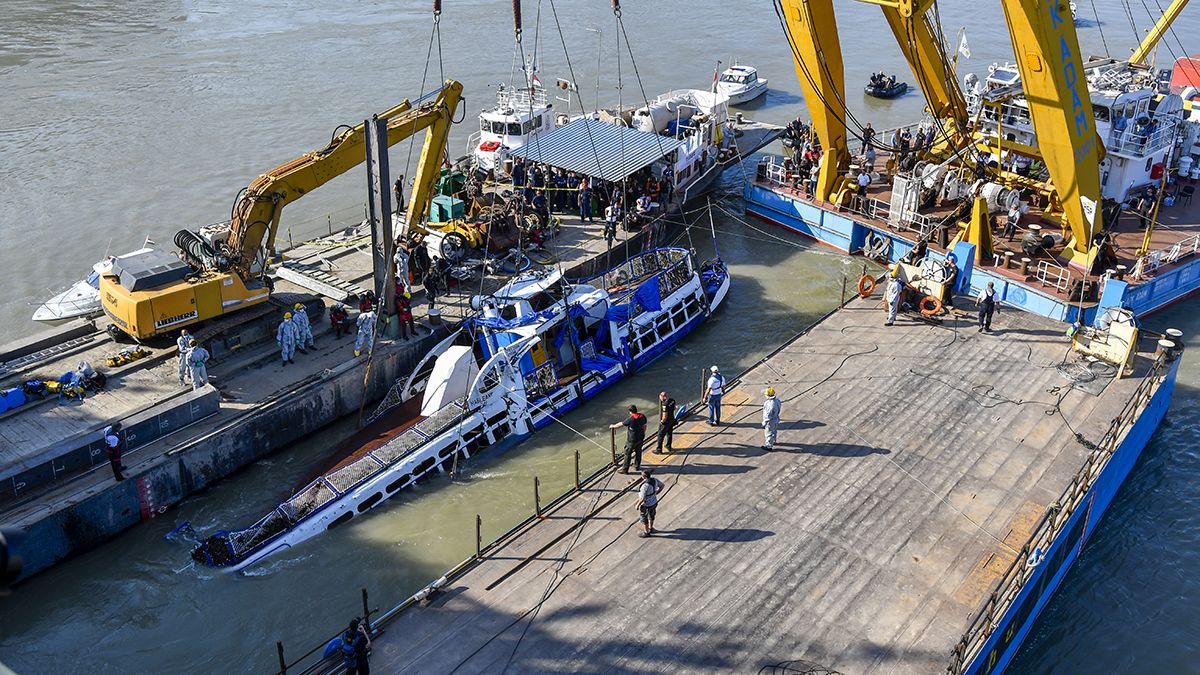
x: 912, y: 464
x: 1177, y: 225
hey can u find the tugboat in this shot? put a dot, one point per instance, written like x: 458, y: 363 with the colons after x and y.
x: 540, y: 346
x: 885, y: 86
x: 520, y: 114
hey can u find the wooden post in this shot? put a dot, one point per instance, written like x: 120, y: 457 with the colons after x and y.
x: 537, y: 497
x: 366, y: 610
x: 282, y: 661
x: 577, y: 485
x: 844, y: 280
x: 478, y: 536
x: 612, y: 437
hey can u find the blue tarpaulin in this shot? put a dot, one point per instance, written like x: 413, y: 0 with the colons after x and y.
x: 647, y: 295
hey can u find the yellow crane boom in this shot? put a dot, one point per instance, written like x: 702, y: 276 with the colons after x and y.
x: 1052, y: 76
x: 1160, y: 28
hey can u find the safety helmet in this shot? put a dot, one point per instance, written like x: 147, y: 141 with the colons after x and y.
x: 714, y: 369
x: 339, y: 306
x: 192, y: 342
x: 287, y: 315
x: 770, y: 391
x: 299, y: 306
x: 895, y: 271
x: 407, y: 295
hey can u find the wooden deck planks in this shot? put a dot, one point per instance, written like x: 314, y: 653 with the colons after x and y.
x: 863, y: 542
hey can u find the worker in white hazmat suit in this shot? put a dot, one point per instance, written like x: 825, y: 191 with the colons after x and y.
x: 366, y: 332
x: 285, y: 338
x: 304, y: 335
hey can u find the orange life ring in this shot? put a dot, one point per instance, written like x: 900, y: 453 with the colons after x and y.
x: 866, y: 286
x: 930, y: 306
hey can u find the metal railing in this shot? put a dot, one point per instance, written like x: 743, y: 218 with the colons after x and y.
x: 1129, y: 142
x: 1022, y: 569
x: 1174, y: 253
x: 1052, y: 275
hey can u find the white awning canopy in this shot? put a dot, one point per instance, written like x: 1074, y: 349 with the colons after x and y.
x: 577, y: 146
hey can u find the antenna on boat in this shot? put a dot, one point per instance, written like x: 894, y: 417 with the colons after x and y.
x: 712, y: 226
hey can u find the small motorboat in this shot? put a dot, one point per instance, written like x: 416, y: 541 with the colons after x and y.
x: 83, y: 297
x: 885, y: 87
x: 741, y: 84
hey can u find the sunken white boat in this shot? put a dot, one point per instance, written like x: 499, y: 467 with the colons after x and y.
x: 539, y: 347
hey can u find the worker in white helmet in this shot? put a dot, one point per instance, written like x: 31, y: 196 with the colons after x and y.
x: 285, y: 338
x: 366, y: 332
x: 714, y: 390
x: 185, y: 367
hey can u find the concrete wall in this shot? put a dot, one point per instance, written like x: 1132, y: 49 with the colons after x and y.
x: 305, y: 408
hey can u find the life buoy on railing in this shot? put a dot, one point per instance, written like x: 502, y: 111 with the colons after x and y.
x: 866, y: 286
x: 930, y: 306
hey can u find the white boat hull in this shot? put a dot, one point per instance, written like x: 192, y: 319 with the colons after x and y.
x: 78, y: 300
x: 747, y: 94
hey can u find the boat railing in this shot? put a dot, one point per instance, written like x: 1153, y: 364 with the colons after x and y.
x: 1151, y: 261
x: 1026, y: 561
x: 521, y: 99
x: 1053, y: 275
x: 1129, y: 141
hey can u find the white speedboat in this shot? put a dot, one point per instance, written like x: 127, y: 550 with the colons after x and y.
x: 82, y: 298
x: 741, y: 84
x: 542, y: 345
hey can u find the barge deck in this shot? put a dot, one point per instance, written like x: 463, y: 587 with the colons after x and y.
x: 917, y: 469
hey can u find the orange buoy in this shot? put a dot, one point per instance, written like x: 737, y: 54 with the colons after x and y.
x: 866, y: 286
x: 930, y: 306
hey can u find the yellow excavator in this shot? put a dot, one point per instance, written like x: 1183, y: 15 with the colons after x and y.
x: 224, y: 267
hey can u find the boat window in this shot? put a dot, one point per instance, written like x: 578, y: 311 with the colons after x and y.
x: 514, y: 128
x: 94, y: 280
x: 485, y: 126
x: 527, y: 126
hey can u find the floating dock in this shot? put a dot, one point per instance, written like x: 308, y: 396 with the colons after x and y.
x: 55, y: 482
x: 929, y: 489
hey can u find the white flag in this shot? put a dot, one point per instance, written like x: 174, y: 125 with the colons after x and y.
x: 962, y: 46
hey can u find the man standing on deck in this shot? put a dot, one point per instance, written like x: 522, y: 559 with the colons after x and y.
x: 366, y: 332
x: 647, y: 503
x: 304, y: 336
x: 987, y: 305
x: 895, y: 289
x: 198, y: 356
x: 770, y: 419
x: 285, y: 338
x: 714, y: 390
x: 185, y: 372
x: 868, y: 135
x: 949, y: 280
x: 635, y: 437
x: 666, y: 422
x: 585, y: 202
x: 114, y: 443
x: 398, y: 189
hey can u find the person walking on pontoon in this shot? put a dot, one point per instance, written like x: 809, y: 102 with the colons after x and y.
x: 770, y: 419
x: 647, y: 503
x: 713, y: 392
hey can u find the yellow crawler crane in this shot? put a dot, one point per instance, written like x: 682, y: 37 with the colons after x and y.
x: 227, y: 267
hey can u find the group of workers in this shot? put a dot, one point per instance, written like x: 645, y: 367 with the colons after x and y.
x: 897, y: 292
x: 629, y: 202
x: 193, y: 361
x: 294, y: 334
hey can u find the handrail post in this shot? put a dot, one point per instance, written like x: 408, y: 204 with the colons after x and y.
x: 612, y: 436
x: 478, y: 536
x: 577, y: 485
x: 537, y: 497
x: 366, y: 610
x: 282, y: 661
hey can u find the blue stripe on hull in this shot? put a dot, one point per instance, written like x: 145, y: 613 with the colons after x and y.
x: 1012, y: 628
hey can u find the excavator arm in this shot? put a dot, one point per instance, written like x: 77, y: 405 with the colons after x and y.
x: 255, y: 220
x: 1047, y: 51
